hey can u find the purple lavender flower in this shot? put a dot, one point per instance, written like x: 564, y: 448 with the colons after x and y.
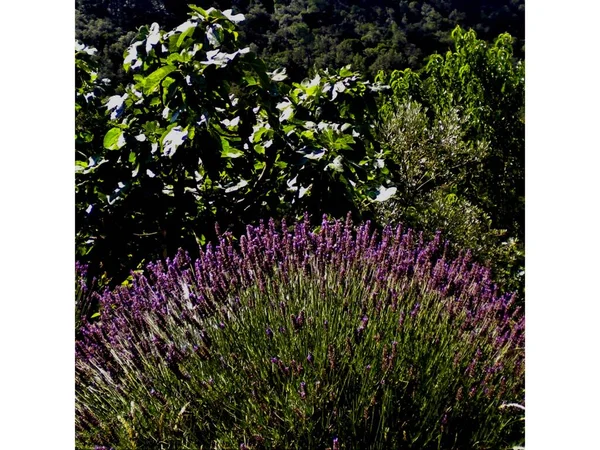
x: 414, y: 311
x: 363, y: 324
x: 166, y: 311
x: 302, y: 390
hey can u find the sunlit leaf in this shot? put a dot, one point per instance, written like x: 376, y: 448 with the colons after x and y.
x: 336, y: 165
x: 173, y: 140
x: 116, y: 105
x: 153, y: 38
x: 114, y: 139
x: 153, y: 80
x: 384, y: 193
x: 236, y: 187
x: 231, y: 152
x: 234, y: 18
x: 278, y: 75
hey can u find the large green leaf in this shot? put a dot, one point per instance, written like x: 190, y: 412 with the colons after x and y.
x: 114, y: 139
x: 231, y: 152
x: 188, y: 32
x: 153, y: 80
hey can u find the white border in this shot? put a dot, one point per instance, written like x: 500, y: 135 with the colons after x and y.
x: 37, y: 225
x: 562, y: 243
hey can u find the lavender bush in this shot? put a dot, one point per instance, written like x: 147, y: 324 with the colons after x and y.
x: 85, y: 296
x: 341, y: 338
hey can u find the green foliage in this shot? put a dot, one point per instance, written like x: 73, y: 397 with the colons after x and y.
x: 110, y: 39
x: 300, y: 34
x: 429, y: 152
x: 456, y: 132
x: 90, y: 129
x: 204, y: 133
x: 88, y: 90
x: 487, y: 86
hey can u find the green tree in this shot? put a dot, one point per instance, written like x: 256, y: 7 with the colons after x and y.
x: 456, y: 131
x: 204, y: 133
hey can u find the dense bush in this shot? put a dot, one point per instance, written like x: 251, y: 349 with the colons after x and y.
x: 456, y: 133
x: 485, y: 84
x: 287, y: 338
x: 203, y: 133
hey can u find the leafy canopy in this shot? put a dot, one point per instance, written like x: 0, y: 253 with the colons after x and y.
x: 204, y: 133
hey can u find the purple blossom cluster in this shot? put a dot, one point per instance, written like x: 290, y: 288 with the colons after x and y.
x: 84, y: 295
x: 81, y: 271
x: 389, y: 262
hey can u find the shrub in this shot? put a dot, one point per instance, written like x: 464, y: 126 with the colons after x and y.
x: 339, y: 338
x: 486, y: 84
x: 435, y: 158
x: 455, y: 131
x: 202, y: 133
x: 86, y: 298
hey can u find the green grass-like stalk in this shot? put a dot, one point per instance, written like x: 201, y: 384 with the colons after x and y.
x: 403, y: 382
